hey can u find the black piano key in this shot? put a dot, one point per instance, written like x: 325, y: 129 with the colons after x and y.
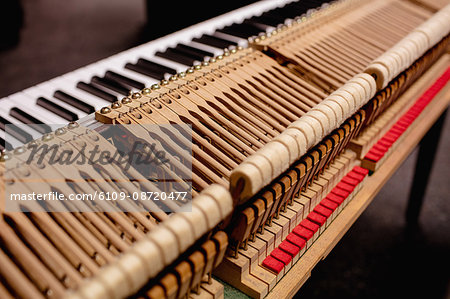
x: 30, y: 120
x: 55, y: 108
x: 240, y: 30
x: 73, y: 101
x: 214, y: 41
x: 15, y: 131
x: 144, y: 71
x: 274, y: 16
x: 97, y: 92
x: 156, y: 66
x: 173, y: 55
x: 200, y: 52
x: 261, y: 26
x: 124, y: 80
x: 5, y: 145
x: 187, y: 53
x: 110, y: 84
x: 266, y: 20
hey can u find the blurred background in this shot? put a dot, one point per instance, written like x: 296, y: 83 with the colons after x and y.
x: 43, y: 39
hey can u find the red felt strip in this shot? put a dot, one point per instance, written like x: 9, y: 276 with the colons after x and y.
x: 303, y: 232
x: 309, y: 225
x: 296, y: 240
x: 325, y: 212
x: 273, y: 264
x: 289, y: 248
x: 281, y: 256
x: 317, y: 218
x: 329, y: 204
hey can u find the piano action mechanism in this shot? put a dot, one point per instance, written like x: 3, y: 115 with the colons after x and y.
x: 285, y: 133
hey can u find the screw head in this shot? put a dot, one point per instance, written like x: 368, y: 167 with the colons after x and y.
x: 146, y: 91
x: 19, y: 150
x: 105, y: 110
x: 47, y: 137
x: 155, y: 87
x: 73, y: 125
x: 60, y: 131
x: 136, y: 95
x: 126, y: 101
x: 116, y: 105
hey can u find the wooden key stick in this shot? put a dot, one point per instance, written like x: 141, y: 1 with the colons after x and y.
x: 197, y: 262
x: 170, y: 284
x: 155, y: 292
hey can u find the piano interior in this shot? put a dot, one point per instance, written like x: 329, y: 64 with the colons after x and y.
x: 280, y: 126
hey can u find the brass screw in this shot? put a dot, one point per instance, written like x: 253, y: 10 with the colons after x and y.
x: 173, y: 78
x: 32, y: 143
x: 19, y: 150
x: 73, y: 125
x: 47, y: 137
x: 60, y: 131
x: 136, y: 95
x: 105, y: 110
x: 212, y: 60
x: 205, y: 63
x: 116, y: 105
x: 197, y: 67
x: 126, y: 101
x: 164, y: 82
x: 181, y: 74
x: 240, y: 48
x: 146, y: 91
x: 190, y: 71
x: 155, y: 87
x: 220, y: 57
x: 5, y: 157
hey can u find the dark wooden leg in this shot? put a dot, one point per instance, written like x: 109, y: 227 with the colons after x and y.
x: 427, y: 150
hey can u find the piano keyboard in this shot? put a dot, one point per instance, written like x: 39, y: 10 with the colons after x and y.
x: 272, y: 123
x: 78, y: 94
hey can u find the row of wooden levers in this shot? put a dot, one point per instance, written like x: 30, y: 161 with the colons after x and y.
x: 272, y: 125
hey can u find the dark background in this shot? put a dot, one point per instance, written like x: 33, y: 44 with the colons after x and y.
x: 374, y: 259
